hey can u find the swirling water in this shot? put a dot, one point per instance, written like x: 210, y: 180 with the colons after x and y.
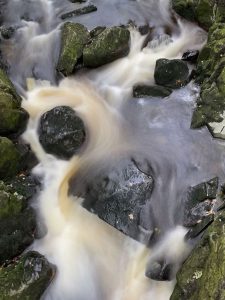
x: 94, y: 261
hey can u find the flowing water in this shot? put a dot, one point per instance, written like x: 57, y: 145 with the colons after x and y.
x: 95, y: 261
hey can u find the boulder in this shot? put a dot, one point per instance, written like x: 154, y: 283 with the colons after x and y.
x: 198, y: 207
x: 80, y: 11
x: 7, y: 87
x: 17, y: 224
x: 13, y: 121
x: 61, y: 132
x: 172, y: 73
x: 210, y: 72
x: 9, y: 158
x: 202, y: 274
x: 27, y: 278
x: 205, y: 12
x: 144, y: 91
x: 13, y: 117
x: 74, y: 37
x: 111, y: 44
x: 118, y: 194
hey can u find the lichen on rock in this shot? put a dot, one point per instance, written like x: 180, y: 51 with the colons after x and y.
x: 202, y: 274
x: 111, y: 44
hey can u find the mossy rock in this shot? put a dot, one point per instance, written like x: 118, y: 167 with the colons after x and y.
x: 26, y: 279
x: 9, y: 158
x: 17, y: 223
x: 73, y: 39
x: 205, y: 12
x: 211, y: 75
x: 109, y: 45
x: 7, y: 86
x: 13, y: 121
x: 202, y: 274
x: 172, y: 73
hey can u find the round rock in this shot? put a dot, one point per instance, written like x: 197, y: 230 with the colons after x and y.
x: 171, y: 73
x: 61, y: 132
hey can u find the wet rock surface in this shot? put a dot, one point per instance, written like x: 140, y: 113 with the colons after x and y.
x: 13, y: 117
x: 73, y: 39
x: 27, y: 278
x: 109, y: 45
x: 9, y: 158
x: 171, y: 73
x: 205, y: 12
x: 198, y: 207
x: 17, y: 223
x: 202, y: 274
x: 190, y: 56
x: 80, y: 11
x: 61, y: 132
x: 143, y: 91
x: 117, y: 196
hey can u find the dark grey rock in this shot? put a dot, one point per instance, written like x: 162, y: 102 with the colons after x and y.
x: 143, y: 91
x: 160, y: 271
x: 171, y: 73
x: 200, y: 227
x: 118, y: 194
x: 199, y: 202
x: 80, y: 11
x: 61, y: 132
x: 191, y: 56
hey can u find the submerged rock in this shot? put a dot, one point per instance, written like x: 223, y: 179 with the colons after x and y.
x: 160, y: 271
x: 202, y: 274
x: 17, y: 224
x: 61, y: 132
x: 171, y: 73
x: 143, y: 91
x: 109, y: 45
x: 27, y: 278
x: 80, y: 11
x: 118, y: 194
x: 9, y: 158
x: 74, y: 37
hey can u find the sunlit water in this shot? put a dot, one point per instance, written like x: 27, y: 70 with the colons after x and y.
x: 95, y: 261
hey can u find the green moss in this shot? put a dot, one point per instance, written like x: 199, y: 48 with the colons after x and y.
x: 109, y: 45
x: 26, y: 279
x: 202, y: 275
x: 74, y: 37
x: 12, y: 121
x: 9, y: 158
x: 7, y: 86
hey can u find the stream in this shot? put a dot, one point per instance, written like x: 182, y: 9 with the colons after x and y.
x: 94, y: 260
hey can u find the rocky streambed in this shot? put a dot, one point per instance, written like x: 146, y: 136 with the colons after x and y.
x: 122, y: 193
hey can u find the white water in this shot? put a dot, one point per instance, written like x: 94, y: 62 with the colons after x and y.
x: 94, y: 261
